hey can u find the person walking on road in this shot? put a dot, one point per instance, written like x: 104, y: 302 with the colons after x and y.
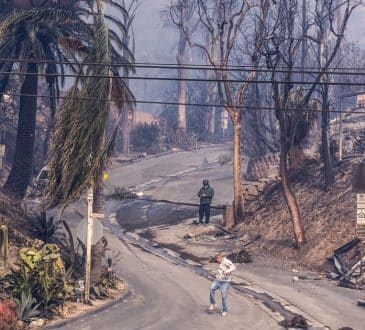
x: 223, y: 279
x: 206, y: 194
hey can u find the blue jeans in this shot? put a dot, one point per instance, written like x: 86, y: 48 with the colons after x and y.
x: 204, y: 209
x: 223, y: 286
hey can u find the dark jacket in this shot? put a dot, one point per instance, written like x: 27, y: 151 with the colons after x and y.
x: 206, y: 195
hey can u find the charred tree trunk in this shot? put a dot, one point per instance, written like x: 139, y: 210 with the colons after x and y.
x: 211, y: 91
x: 21, y: 172
x: 296, y: 156
x: 181, y: 116
x: 4, y: 77
x: 289, y: 195
x: 326, y: 154
x: 237, y: 177
x: 212, y: 123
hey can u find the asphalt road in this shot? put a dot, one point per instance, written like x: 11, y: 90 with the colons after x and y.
x: 178, y: 175
x: 169, y: 297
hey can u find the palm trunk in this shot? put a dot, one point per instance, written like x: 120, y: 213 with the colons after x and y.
x: 50, y: 126
x: 237, y: 178
x: 326, y: 152
x: 125, y: 127
x: 21, y: 172
x: 181, y: 117
x: 289, y: 195
x: 4, y: 78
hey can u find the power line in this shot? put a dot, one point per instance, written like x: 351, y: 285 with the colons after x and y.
x: 189, y: 104
x: 233, y: 68
x: 256, y: 81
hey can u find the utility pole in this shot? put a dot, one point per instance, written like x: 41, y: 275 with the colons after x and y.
x: 340, y: 138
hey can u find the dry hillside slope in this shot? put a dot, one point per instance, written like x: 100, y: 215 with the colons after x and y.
x: 329, y: 217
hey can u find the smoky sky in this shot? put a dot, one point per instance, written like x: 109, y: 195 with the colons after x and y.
x: 156, y: 42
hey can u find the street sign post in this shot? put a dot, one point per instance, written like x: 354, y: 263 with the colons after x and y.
x: 89, y: 233
x: 96, y: 231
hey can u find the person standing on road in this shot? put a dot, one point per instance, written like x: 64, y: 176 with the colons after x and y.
x: 223, y: 279
x: 206, y: 194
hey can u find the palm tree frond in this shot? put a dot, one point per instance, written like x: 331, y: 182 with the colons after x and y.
x: 77, y: 150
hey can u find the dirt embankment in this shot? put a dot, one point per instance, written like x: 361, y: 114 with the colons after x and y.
x: 19, y: 229
x: 17, y: 220
x: 329, y: 218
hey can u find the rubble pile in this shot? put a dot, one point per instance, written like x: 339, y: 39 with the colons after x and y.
x: 347, y: 261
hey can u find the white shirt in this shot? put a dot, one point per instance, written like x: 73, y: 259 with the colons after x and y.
x: 226, y: 267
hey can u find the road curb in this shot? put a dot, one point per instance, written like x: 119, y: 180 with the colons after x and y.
x: 277, y: 307
x: 91, y: 312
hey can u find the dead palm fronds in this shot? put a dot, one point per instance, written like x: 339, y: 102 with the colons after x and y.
x: 77, y: 150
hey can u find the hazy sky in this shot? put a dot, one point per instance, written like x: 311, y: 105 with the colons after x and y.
x: 155, y: 42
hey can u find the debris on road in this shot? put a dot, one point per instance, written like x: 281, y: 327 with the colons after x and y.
x: 361, y: 302
x: 122, y: 193
x: 296, y: 321
x: 241, y: 257
x: 348, y: 278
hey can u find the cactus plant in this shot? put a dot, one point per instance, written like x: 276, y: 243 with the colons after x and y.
x: 4, y: 242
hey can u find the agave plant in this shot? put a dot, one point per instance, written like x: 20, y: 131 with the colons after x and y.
x: 27, y: 306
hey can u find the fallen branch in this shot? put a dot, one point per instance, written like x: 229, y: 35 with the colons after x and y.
x: 218, y: 207
x: 223, y: 229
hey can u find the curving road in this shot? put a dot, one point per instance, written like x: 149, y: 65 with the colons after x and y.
x: 169, y: 296
x: 166, y: 296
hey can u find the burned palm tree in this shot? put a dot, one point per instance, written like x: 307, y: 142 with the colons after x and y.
x: 41, y: 39
x: 34, y: 40
x: 80, y: 150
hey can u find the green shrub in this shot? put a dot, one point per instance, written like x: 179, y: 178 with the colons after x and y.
x: 40, y: 281
x: 145, y: 136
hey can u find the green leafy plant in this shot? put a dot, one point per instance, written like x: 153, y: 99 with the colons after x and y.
x: 40, y: 281
x: 145, y: 136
